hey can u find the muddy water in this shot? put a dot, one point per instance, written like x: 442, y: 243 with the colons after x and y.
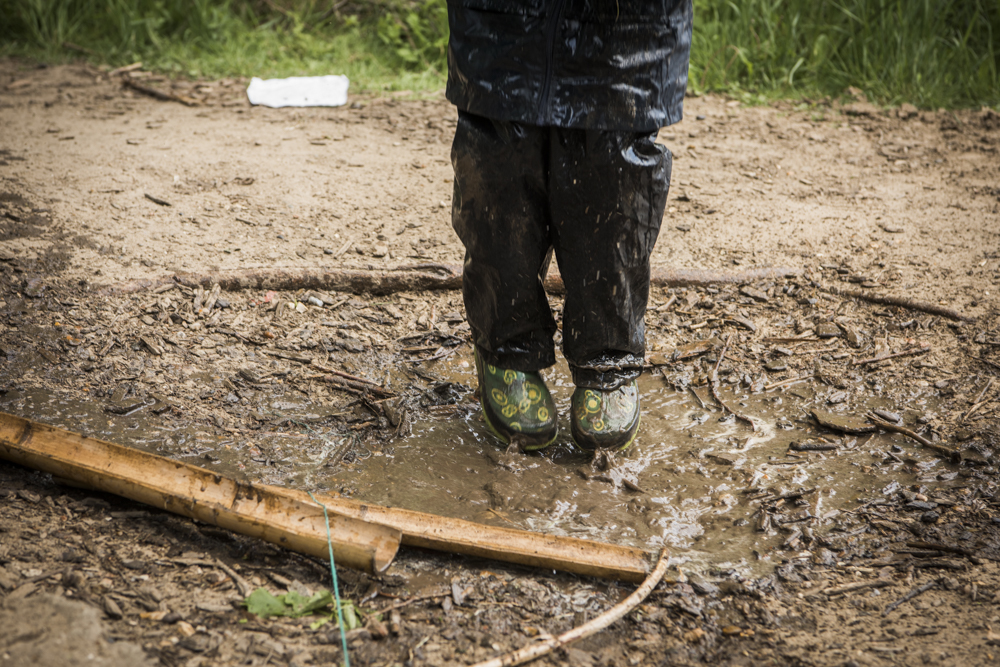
x: 687, y: 474
x: 682, y: 484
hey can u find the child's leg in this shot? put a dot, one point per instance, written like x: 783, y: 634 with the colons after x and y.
x: 608, y: 192
x: 501, y: 213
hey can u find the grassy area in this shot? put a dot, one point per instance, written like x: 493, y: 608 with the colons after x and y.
x: 931, y: 53
x: 372, y: 44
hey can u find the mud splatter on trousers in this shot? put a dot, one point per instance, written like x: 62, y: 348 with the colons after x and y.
x: 595, y: 198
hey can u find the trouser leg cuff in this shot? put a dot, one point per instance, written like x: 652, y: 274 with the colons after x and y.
x: 607, y: 372
x: 524, y: 361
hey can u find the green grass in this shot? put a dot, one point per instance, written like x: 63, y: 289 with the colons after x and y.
x: 931, y: 53
x: 374, y: 46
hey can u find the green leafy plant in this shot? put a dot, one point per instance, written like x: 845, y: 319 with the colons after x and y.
x: 416, y: 31
x: 265, y: 604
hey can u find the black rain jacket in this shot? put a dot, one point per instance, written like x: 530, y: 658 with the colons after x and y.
x: 589, y: 64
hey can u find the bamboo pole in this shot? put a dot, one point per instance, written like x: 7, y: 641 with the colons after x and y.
x: 288, y: 517
x: 429, y: 531
x: 250, y: 509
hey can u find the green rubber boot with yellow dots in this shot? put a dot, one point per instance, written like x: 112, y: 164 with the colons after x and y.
x: 605, y: 419
x: 517, y: 404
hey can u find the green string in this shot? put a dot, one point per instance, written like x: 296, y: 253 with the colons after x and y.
x: 336, y: 587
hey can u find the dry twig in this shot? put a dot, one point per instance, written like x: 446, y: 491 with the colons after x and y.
x: 978, y: 403
x: 953, y: 455
x: 909, y: 596
x: 158, y: 94
x: 549, y: 644
x: 900, y: 302
x: 904, y: 353
x: 242, y: 584
x: 715, y: 388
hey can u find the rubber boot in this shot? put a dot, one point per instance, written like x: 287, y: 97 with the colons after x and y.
x: 517, y: 405
x: 605, y: 419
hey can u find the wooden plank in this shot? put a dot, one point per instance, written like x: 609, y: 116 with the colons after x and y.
x: 295, y: 523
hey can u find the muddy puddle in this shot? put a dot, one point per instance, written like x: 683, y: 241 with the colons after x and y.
x: 695, y: 479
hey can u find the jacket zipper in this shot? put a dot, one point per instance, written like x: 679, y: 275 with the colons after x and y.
x: 550, y: 42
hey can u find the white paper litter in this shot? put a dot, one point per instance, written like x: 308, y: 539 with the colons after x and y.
x: 299, y: 91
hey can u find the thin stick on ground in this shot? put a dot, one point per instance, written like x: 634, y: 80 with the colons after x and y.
x: 418, y: 598
x: 242, y: 584
x: 909, y: 596
x: 904, y: 353
x: 546, y: 646
x: 347, y: 376
x: 158, y: 94
x: 953, y: 455
x: 715, y: 388
x: 900, y: 302
x: 697, y: 397
x: 782, y: 383
x: 851, y: 588
x: 978, y: 403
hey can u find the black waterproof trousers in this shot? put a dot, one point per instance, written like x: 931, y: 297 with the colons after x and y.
x: 597, y: 198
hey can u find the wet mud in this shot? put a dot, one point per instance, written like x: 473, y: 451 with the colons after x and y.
x: 696, y: 479
x: 794, y: 544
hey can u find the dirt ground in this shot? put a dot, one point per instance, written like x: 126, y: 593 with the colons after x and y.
x: 101, y: 186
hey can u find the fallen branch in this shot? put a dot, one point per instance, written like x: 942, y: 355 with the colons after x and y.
x: 129, y: 82
x: 781, y: 383
x: 715, y: 388
x: 990, y: 363
x: 858, y: 586
x: 242, y: 584
x: 549, y: 644
x: 126, y: 69
x: 405, y: 603
x: 338, y: 280
x: 346, y: 376
x: 406, y: 279
x: 359, y: 388
x: 904, y: 353
x: 976, y: 404
x: 909, y: 596
x: 953, y: 455
x: 899, y: 302
x: 938, y: 546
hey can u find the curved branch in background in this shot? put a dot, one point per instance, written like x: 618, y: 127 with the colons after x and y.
x: 409, y: 278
